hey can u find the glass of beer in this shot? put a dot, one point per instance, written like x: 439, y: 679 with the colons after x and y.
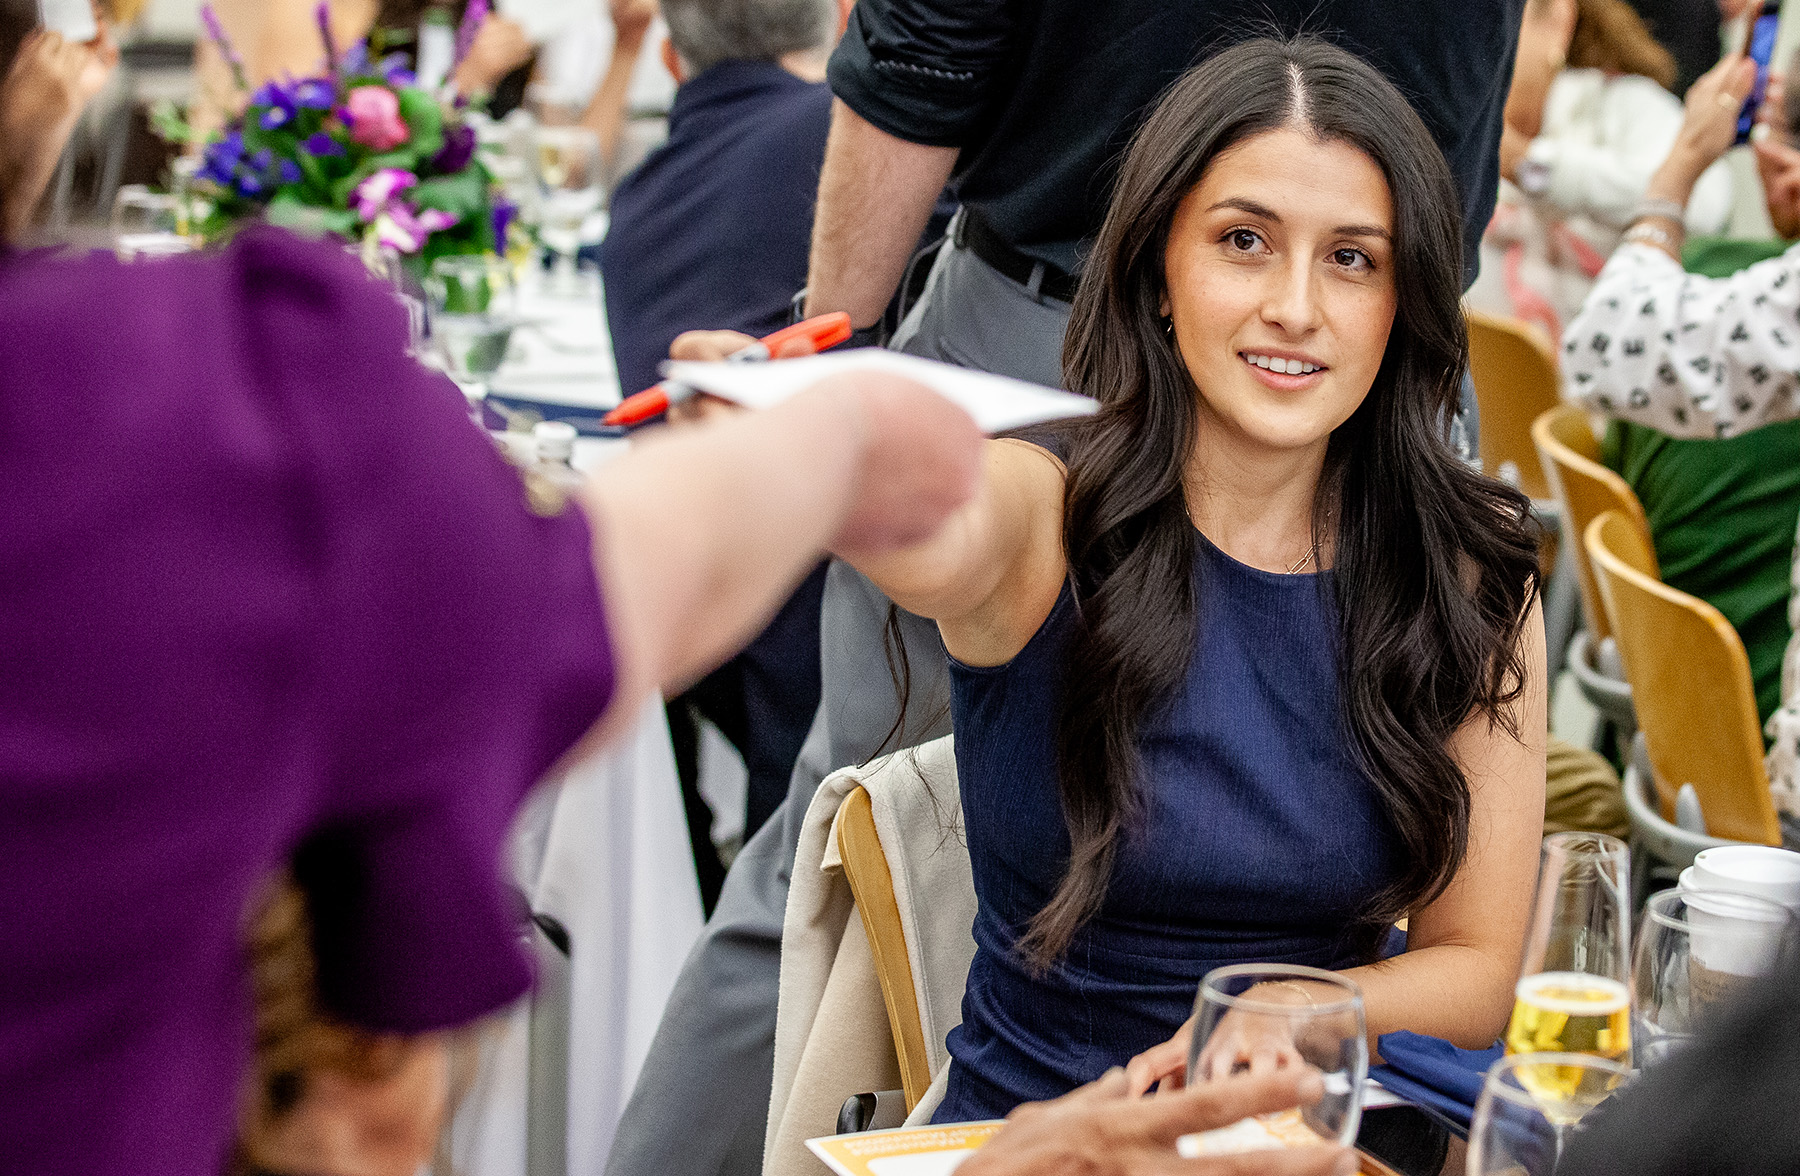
x: 1528, y: 1104
x: 1574, y: 993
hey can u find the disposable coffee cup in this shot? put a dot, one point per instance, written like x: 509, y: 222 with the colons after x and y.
x: 1762, y: 870
x: 1731, y: 935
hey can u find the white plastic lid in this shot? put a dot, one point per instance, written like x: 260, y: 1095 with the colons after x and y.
x: 555, y: 440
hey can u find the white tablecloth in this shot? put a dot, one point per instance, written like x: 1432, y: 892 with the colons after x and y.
x: 604, y: 851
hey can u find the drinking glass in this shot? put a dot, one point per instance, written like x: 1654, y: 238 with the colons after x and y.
x: 568, y: 169
x: 148, y: 224
x: 473, y: 304
x: 1529, y: 1103
x: 1247, y: 1015
x: 1573, y: 994
x: 1695, y: 952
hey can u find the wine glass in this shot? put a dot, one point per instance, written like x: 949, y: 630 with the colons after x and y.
x: 1573, y: 994
x: 1529, y: 1102
x: 148, y: 224
x: 568, y: 169
x: 1695, y: 952
x: 1249, y: 1015
x: 473, y: 304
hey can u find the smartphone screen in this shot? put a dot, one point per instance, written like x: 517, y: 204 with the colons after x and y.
x: 74, y: 19
x: 1761, y: 48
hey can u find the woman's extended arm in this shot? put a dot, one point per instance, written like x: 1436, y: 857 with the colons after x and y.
x: 991, y: 573
x: 699, y: 536
x: 1456, y: 977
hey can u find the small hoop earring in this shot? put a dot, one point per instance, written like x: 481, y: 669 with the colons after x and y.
x: 1169, y: 326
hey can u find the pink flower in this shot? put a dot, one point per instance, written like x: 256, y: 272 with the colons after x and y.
x: 373, y: 113
x: 374, y: 194
x: 399, y: 227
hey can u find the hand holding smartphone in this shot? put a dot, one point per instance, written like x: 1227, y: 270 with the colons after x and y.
x: 1765, y: 22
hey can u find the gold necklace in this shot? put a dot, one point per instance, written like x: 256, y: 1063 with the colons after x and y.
x: 1294, y: 569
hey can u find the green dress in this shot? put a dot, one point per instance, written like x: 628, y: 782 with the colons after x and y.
x: 1723, y: 513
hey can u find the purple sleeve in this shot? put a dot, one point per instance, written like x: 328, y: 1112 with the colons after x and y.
x: 460, y: 639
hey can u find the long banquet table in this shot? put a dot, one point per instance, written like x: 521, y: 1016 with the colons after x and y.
x: 602, y: 850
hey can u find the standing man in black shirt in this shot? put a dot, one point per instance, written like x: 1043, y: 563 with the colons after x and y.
x: 1027, y: 108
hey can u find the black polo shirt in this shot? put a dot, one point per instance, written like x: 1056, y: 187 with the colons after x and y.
x: 1042, y: 96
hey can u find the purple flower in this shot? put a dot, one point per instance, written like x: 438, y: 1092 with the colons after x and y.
x: 287, y: 172
x: 374, y: 195
x: 313, y: 94
x: 392, y: 69
x: 249, y: 185
x: 355, y: 62
x: 473, y: 17
x: 276, y: 116
x: 323, y: 15
x: 459, y: 149
x: 261, y: 160
x: 216, y: 33
x: 322, y: 144
x: 504, y: 212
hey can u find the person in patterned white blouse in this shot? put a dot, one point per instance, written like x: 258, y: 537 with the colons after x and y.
x: 1699, y: 357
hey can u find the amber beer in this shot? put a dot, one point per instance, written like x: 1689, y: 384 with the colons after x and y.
x: 1571, y: 1012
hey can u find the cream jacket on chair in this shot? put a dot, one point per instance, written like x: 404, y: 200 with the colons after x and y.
x: 832, y: 1037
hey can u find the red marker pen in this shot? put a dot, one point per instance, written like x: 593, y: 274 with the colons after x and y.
x: 826, y: 330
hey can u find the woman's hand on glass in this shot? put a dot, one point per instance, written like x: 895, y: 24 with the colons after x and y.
x: 1161, y: 1067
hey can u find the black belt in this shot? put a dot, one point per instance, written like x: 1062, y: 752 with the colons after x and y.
x: 1040, y: 277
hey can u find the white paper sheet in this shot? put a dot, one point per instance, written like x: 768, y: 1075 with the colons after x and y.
x: 997, y: 403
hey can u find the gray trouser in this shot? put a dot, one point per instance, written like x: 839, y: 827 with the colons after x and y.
x: 702, y: 1102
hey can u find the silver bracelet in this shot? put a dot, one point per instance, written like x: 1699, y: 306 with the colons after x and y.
x: 1666, y: 209
x: 1648, y: 234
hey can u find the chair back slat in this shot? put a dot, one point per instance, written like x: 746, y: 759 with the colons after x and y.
x: 872, y: 882
x: 1586, y: 490
x: 1690, y: 682
x: 1515, y: 382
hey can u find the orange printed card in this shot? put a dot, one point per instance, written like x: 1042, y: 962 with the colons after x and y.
x: 903, y: 1151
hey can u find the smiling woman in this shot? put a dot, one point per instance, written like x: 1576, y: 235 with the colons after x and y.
x: 1249, y: 667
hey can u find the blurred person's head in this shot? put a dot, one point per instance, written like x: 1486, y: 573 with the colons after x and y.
x: 1277, y: 282
x: 1610, y: 36
x: 703, y: 33
x: 324, y: 1098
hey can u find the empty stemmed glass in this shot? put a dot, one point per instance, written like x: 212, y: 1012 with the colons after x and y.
x: 1251, y: 1016
x: 1529, y: 1102
x: 148, y: 224
x: 473, y: 302
x: 568, y: 169
x: 1695, y: 953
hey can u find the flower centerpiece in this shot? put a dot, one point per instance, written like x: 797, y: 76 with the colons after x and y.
x: 361, y: 151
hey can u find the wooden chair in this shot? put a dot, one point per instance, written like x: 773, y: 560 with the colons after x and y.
x: 1586, y: 489
x: 872, y: 883
x: 1691, y: 686
x: 1514, y: 370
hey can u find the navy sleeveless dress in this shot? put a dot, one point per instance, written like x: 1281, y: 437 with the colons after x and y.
x: 1262, y: 839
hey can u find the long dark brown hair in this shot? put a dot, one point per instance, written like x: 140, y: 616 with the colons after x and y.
x: 1434, y: 564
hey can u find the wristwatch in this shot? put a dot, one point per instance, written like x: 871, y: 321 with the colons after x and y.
x: 1534, y: 170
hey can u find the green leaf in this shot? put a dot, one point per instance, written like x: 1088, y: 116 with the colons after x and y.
x: 462, y: 194
x: 290, y: 211
x: 167, y: 121
x: 426, y: 118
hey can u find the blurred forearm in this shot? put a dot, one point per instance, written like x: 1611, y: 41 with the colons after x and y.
x: 876, y: 194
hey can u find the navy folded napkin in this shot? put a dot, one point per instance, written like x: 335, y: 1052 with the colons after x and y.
x: 1436, y: 1075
